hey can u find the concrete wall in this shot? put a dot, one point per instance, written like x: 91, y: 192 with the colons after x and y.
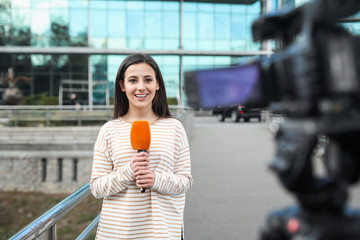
x: 50, y: 159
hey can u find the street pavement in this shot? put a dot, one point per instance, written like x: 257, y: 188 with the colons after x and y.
x: 233, y: 189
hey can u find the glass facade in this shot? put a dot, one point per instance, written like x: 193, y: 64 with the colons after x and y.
x: 105, y: 24
x: 198, y: 26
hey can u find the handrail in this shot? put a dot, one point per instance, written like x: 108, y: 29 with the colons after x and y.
x: 46, y: 222
x: 86, y: 233
x: 59, y: 115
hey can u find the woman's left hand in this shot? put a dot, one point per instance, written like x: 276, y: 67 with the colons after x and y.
x: 145, y: 178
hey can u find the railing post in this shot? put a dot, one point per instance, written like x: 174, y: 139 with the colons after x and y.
x: 16, y: 122
x: 52, y: 232
x: 47, y: 117
x: 78, y: 116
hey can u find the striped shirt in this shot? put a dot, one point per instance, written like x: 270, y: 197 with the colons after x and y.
x: 126, y: 212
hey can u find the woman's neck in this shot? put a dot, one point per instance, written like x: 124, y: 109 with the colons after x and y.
x: 133, y: 115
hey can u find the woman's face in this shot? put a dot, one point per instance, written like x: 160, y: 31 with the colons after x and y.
x: 140, y: 86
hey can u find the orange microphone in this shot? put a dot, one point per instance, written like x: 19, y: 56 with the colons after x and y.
x: 140, y: 137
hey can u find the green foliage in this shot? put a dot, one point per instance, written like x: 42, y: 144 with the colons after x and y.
x: 40, y: 99
x: 172, y: 101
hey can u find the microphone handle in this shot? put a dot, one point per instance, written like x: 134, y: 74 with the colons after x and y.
x: 142, y: 190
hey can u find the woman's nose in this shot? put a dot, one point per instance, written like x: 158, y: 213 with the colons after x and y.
x: 141, y: 85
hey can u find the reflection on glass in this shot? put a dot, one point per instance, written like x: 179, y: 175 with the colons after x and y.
x: 40, y: 59
x: 60, y: 16
x: 98, y: 23
x: 113, y: 63
x: 222, y: 26
x: 116, y: 43
x: 82, y: 4
x: 238, y: 45
x: 40, y: 22
x: 78, y: 25
x: 190, y: 24
x: 56, y: 4
x: 135, y: 24
x: 20, y: 4
x: 206, y: 7
x: 115, y: 4
x: 222, y: 8
x: 116, y: 23
x: 134, y: 5
x: 40, y: 4
x: 190, y: 7
x: 154, y: 5
x: 153, y: 24
x: 153, y: 43
x: 238, y: 26
x: 255, y: 8
x: 222, y: 45
x: 206, y: 25
x: 135, y: 43
x: 172, y: 43
x: 60, y: 35
x: 171, y: 24
x: 241, y: 8
x: 99, y: 42
x: 206, y: 45
x: 94, y: 4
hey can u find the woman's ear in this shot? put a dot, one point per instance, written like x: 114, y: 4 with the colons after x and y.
x: 121, y: 83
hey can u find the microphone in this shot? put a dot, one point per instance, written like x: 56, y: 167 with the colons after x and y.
x: 140, y: 137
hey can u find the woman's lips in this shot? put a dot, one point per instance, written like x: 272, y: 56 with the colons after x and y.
x: 141, y: 96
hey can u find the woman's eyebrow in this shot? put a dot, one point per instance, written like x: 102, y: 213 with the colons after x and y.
x: 132, y: 76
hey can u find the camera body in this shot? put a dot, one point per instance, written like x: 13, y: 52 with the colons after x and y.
x: 314, y: 77
x: 319, y: 73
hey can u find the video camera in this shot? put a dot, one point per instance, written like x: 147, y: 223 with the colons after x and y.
x: 321, y: 67
x: 314, y: 77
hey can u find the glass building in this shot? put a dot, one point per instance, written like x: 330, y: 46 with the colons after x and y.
x: 54, y: 41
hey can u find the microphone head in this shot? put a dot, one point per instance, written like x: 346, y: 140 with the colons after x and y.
x: 140, y: 135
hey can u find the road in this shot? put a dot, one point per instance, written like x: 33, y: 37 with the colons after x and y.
x: 233, y: 189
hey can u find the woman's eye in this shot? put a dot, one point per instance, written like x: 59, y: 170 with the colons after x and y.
x: 132, y: 80
x: 148, y: 79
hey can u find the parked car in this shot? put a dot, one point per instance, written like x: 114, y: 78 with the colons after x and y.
x: 236, y: 112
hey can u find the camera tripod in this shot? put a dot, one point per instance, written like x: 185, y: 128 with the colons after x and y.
x: 321, y: 213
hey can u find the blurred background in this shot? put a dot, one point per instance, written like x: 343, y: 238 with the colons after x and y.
x: 58, y: 62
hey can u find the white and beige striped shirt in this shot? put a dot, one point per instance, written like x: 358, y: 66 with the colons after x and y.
x: 126, y: 212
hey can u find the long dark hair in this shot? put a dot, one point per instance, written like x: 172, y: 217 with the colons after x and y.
x: 121, y: 103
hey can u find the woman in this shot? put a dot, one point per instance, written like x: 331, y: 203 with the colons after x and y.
x: 119, y: 172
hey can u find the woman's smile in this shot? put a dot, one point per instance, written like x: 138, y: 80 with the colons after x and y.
x: 142, y: 96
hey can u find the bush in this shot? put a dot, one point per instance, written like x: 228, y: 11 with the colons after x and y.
x: 172, y: 101
x: 40, y: 99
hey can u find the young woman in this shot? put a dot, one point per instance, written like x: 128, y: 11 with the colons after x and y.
x: 119, y: 172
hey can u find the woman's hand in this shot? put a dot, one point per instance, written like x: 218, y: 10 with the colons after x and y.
x: 144, y: 176
x: 140, y: 161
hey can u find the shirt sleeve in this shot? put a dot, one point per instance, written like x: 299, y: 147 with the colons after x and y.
x: 104, y: 180
x: 180, y: 180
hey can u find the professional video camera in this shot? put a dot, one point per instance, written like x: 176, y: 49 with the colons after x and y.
x: 315, y: 78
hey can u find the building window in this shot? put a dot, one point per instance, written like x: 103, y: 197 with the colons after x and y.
x: 75, y: 169
x: 60, y: 169
x: 43, y: 169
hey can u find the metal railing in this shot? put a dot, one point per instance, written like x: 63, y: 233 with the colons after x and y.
x: 55, y: 115
x: 45, y: 225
